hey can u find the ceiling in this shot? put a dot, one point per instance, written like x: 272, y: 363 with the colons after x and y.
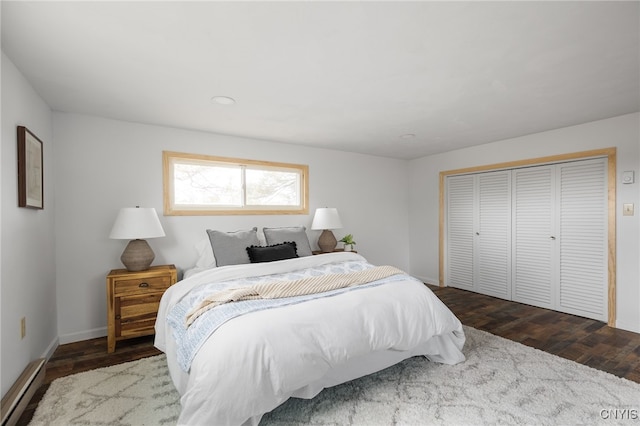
x: 352, y: 76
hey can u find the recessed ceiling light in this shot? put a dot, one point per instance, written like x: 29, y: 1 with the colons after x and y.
x: 223, y: 100
x: 408, y: 136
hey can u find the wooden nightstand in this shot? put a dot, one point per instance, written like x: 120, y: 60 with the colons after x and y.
x: 133, y: 299
x: 334, y: 250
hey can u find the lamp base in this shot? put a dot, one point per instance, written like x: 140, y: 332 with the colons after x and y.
x: 327, y: 241
x: 137, y: 256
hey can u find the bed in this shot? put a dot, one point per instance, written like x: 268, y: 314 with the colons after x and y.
x: 255, y: 360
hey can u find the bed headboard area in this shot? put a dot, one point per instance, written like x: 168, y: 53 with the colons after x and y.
x: 221, y: 247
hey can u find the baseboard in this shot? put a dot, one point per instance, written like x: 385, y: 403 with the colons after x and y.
x: 83, y: 335
x: 628, y: 326
x: 48, y: 353
x: 19, y: 395
x: 428, y: 280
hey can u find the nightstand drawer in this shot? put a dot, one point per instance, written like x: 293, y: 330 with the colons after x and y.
x: 141, y: 285
x: 136, y: 315
x: 138, y: 306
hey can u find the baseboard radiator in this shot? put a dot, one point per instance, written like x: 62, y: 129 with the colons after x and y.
x: 18, y: 397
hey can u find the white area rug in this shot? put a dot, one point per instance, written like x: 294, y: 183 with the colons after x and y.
x: 501, y: 382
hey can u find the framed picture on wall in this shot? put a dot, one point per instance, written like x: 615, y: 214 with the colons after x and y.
x: 30, y: 174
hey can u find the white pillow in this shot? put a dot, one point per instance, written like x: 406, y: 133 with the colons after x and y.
x: 206, y: 259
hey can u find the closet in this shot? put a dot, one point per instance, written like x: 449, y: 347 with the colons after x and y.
x: 536, y: 235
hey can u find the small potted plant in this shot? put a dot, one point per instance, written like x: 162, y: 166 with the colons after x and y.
x: 348, y: 242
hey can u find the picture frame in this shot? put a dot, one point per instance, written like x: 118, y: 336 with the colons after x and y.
x: 30, y: 170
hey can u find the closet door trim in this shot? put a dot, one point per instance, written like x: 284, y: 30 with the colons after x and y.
x: 609, y: 153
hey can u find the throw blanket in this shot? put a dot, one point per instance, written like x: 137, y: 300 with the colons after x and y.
x: 300, y: 287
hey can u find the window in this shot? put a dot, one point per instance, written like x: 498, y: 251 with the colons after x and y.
x: 207, y: 185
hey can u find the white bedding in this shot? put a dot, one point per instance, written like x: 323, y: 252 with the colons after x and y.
x: 255, y: 362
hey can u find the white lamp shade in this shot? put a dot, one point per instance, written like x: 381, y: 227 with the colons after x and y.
x: 326, y: 218
x: 136, y: 223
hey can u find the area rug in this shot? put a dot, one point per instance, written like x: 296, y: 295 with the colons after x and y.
x: 501, y: 382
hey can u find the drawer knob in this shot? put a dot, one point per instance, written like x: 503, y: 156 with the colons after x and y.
x: 143, y: 285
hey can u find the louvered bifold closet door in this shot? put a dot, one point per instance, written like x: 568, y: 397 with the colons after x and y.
x: 460, y: 233
x: 583, y: 238
x: 493, y: 235
x: 534, y: 236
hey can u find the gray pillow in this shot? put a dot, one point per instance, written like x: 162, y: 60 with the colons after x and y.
x: 297, y: 234
x: 230, y: 248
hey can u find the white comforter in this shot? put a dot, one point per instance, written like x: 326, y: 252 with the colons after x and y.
x: 255, y: 362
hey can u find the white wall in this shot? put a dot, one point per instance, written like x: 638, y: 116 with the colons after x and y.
x: 103, y: 165
x: 27, y: 261
x: 621, y: 132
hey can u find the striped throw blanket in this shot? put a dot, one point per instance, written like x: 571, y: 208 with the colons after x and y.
x: 300, y: 287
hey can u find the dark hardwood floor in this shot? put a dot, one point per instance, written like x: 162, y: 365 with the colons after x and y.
x: 586, y: 341
x: 579, y: 339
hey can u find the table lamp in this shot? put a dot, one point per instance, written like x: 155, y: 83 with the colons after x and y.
x: 326, y: 218
x: 135, y: 224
